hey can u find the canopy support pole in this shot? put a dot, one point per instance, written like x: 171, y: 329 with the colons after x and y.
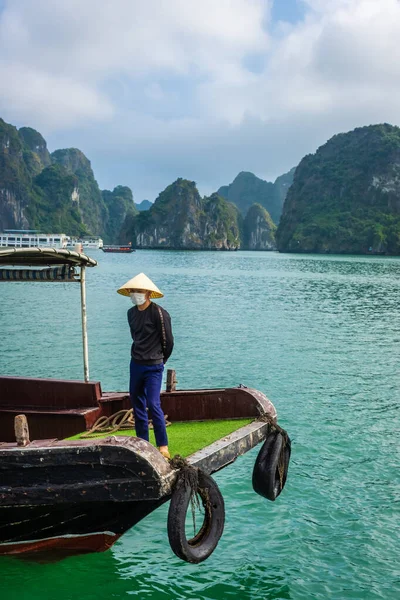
x: 84, y: 325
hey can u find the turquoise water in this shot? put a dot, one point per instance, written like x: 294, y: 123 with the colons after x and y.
x: 320, y: 336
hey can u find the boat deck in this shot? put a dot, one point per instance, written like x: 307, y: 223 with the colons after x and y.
x: 189, y: 437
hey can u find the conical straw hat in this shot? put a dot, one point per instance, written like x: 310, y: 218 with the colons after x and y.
x: 140, y: 282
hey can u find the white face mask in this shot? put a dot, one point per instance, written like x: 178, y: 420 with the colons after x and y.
x: 138, y: 298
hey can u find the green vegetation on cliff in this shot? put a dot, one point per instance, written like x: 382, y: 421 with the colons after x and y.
x: 172, y: 221
x: 119, y: 204
x: 259, y: 229
x: 89, y: 200
x: 180, y: 218
x: 56, y: 192
x: 223, y: 223
x: 281, y: 188
x: 143, y: 205
x: 13, y: 169
x: 36, y: 143
x: 34, y: 194
x: 247, y: 189
x: 59, y: 193
x: 52, y: 207
x: 18, y: 167
x: 345, y: 198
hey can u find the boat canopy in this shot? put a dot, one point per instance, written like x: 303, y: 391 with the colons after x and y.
x: 64, y: 273
x: 44, y: 257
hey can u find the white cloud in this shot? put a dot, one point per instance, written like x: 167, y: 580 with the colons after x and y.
x: 55, y: 102
x: 87, y: 43
x: 130, y: 36
x: 345, y: 51
x: 197, y: 89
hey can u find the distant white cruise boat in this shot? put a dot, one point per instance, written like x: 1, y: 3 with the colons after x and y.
x: 92, y: 242
x: 31, y: 238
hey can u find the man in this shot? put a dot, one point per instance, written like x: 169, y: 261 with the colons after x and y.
x: 152, y: 345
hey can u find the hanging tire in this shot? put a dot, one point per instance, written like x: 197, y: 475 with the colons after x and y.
x: 205, y: 541
x: 271, y: 466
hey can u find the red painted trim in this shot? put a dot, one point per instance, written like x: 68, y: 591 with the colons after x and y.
x: 92, y: 542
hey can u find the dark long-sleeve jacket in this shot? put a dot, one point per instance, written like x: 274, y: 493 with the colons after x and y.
x: 149, y: 346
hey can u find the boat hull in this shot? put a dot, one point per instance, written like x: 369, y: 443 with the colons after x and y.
x: 62, y: 545
x: 119, y: 250
x: 68, y: 528
x: 81, y: 496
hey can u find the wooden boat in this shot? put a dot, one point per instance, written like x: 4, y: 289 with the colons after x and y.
x: 72, y: 496
x: 126, y: 249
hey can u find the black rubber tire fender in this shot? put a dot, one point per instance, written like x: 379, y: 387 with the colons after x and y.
x: 266, y: 479
x: 206, y: 540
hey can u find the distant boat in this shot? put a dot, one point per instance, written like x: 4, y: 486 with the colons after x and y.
x: 32, y: 238
x: 126, y: 249
x: 86, y: 243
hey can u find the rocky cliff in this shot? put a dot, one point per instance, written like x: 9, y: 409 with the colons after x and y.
x: 18, y: 166
x: 222, y: 224
x: 87, y: 196
x: 37, y: 145
x: 119, y: 204
x: 281, y: 188
x: 259, y: 229
x: 52, y: 205
x: 56, y: 192
x: 345, y: 198
x: 247, y: 189
x: 143, y: 205
x: 33, y: 193
x: 180, y: 218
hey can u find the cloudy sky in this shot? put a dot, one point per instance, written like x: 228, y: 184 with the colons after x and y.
x: 152, y: 90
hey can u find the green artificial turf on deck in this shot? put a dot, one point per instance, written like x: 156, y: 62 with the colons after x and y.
x: 186, y: 438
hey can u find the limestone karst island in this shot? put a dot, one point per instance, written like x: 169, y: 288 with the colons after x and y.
x: 345, y: 198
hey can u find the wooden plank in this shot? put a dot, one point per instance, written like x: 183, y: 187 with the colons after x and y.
x: 171, y: 380
x: 47, y: 424
x: 21, y: 430
x: 29, y: 392
x: 225, y: 451
x: 229, y: 403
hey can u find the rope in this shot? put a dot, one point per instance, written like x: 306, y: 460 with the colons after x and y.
x: 189, y: 476
x: 123, y: 419
x: 275, y: 427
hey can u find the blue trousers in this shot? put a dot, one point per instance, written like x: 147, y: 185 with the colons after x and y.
x: 144, y: 389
